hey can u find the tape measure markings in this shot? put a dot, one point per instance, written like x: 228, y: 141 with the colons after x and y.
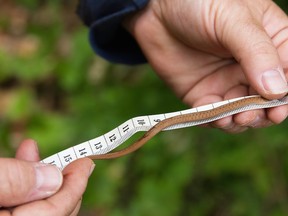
x: 112, y: 139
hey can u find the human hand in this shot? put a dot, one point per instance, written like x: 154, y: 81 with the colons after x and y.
x: 209, y: 51
x: 30, y: 188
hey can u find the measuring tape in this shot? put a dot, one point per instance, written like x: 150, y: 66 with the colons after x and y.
x: 103, y: 144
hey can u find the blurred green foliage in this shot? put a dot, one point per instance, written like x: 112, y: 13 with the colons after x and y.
x: 54, y: 89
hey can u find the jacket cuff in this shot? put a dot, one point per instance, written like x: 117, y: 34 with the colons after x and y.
x: 107, y: 36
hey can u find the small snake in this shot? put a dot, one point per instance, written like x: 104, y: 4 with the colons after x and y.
x: 187, y: 118
x: 100, y: 147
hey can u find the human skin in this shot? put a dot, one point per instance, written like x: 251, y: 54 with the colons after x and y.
x: 59, y: 194
x: 208, y: 51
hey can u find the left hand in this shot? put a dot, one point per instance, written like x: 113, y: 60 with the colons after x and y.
x: 66, y: 201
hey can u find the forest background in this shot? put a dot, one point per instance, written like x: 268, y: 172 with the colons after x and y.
x: 54, y: 89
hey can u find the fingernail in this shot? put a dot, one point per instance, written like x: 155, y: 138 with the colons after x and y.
x: 48, y: 178
x: 35, y: 146
x: 92, y: 169
x: 274, y: 81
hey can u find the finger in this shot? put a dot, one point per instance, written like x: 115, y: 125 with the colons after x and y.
x: 253, y: 118
x: 278, y: 114
x: 28, y: 150
x: 77, y: 208
x: 5, y: 213
x: 66, y: 199
x: 277, y: 19
x: 254, y: 50
x: 22, y: 181
x: 276, y: 25
x: 234, y: 129
x: 227, y: 124
x: 223, y: 123
x: 273, y: 115
x: 76, y: 179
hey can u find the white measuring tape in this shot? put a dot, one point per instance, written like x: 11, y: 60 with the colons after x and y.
x: 114, y: 138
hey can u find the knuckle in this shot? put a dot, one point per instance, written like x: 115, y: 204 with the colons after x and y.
x: 263, y: 47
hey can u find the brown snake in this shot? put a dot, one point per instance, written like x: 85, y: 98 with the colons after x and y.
x: 192, y: 117
x: 99, y: 148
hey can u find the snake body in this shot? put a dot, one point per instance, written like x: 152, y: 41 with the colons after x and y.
x: 101, y: 147
x: 247, y: 103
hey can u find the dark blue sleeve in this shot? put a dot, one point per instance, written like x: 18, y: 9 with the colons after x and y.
x: 107, y: 36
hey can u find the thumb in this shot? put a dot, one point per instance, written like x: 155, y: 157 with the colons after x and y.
x: 28, y: 151
x: 22, y: 181
x: 254, y: 50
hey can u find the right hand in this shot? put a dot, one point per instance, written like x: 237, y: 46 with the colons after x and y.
x: 28, y: 187
x: 208, y: 51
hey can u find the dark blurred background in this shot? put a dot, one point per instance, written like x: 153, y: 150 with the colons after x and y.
x: 54, y: 89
